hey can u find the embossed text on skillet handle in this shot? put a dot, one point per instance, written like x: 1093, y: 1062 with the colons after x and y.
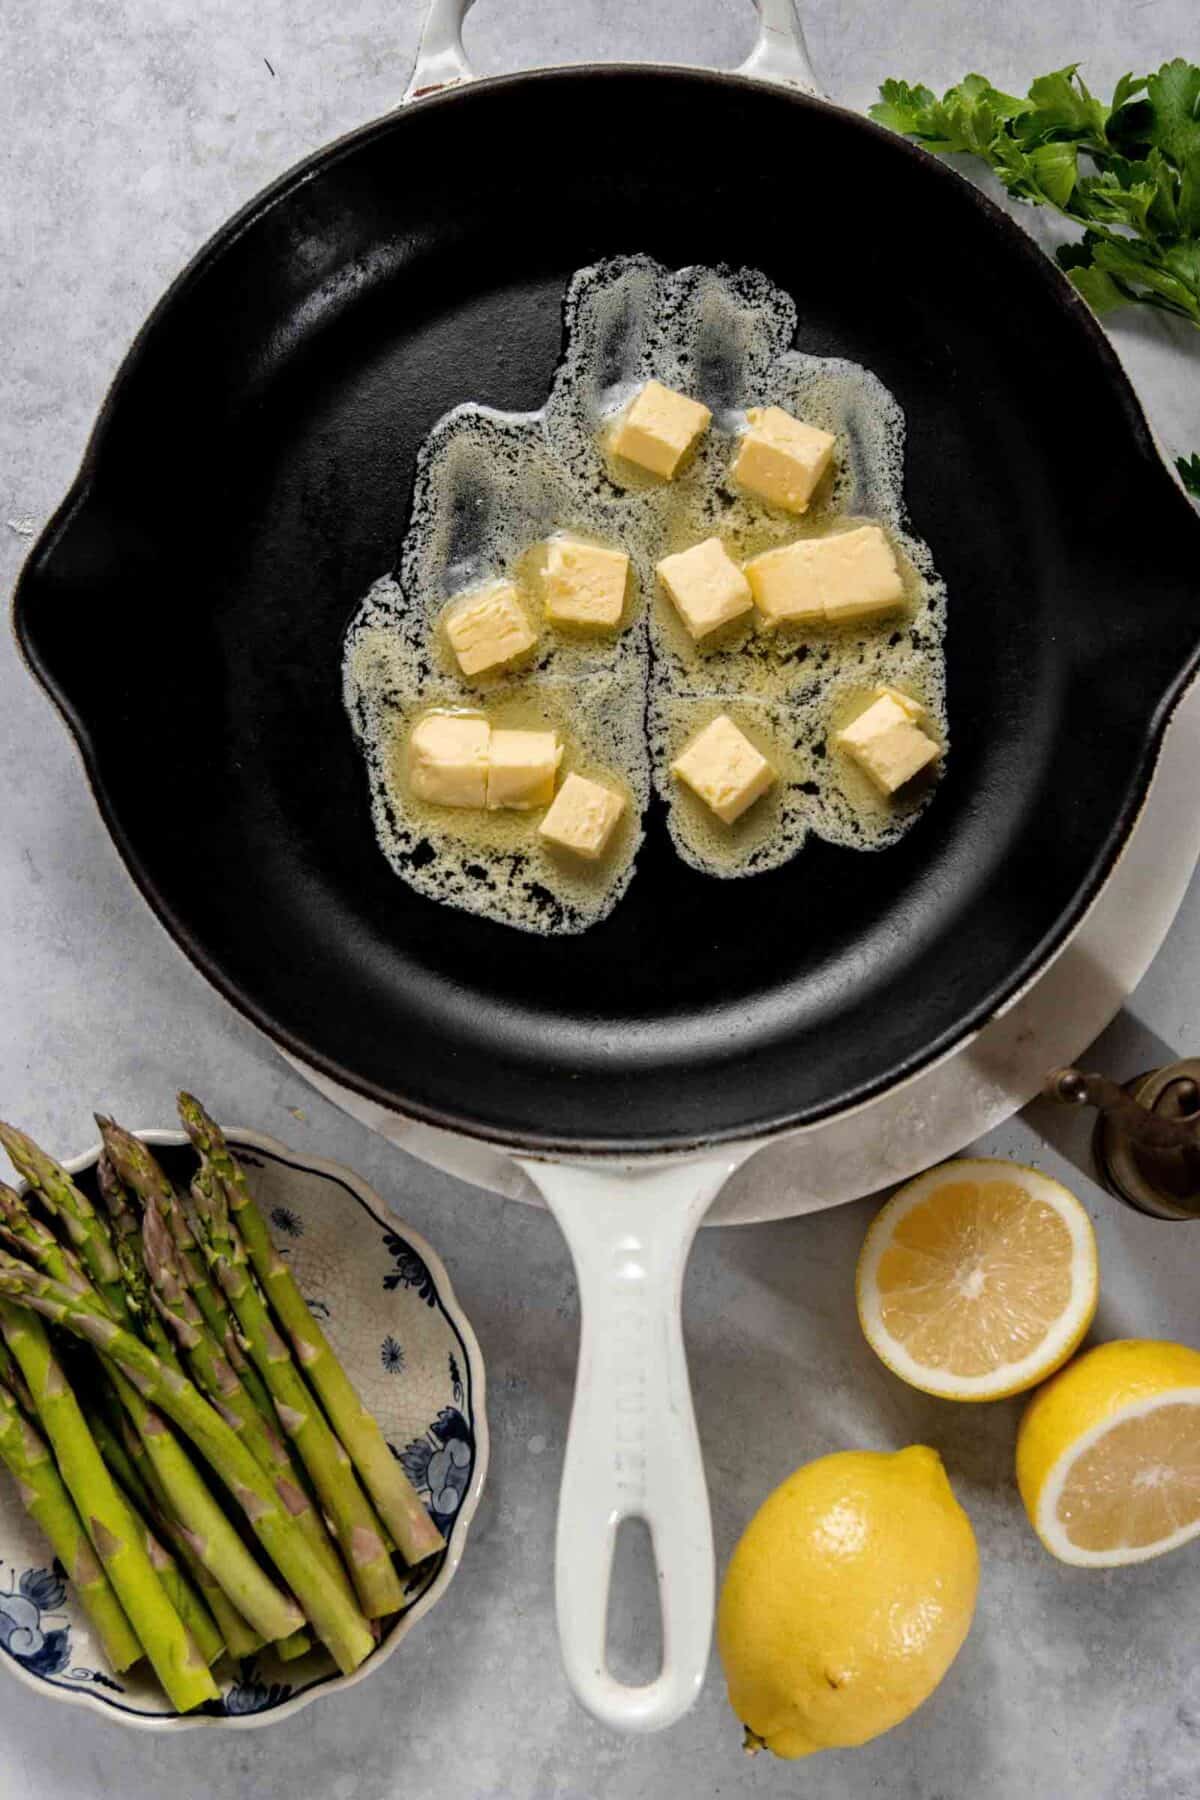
x: 632, y: 1449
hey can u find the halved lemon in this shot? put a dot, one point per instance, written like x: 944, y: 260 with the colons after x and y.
x: 1108, y: 1454
x: 978, y: 1279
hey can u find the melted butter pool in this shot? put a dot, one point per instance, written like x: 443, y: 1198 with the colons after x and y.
x: 491, y: 487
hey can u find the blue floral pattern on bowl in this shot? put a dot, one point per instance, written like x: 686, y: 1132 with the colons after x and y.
x: 386, y: 1302
x: 439, y: 1465
x: 28, y: 1632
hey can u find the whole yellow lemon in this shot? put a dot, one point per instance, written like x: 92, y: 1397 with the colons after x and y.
x: 846, y: 1600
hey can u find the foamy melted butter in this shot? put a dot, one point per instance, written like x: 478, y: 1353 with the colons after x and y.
x: 491, y: 487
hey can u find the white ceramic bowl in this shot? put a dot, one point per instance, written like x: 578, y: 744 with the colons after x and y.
x: 385, y: 1300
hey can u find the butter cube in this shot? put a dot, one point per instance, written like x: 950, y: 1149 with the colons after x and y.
x: 887, y: 743
x: 725, y: 769
x: 706, y: 585
x: 488, y: 629
x: 448, y: 759
x: 585, y: 585
x: 781, y: 460
x: 786, y: 585
x: 522, y: 768
x: 658, y: 429
x: 912, y: 707
x: 832, y: 580
x: 860, y: 574
x: 583, y: 817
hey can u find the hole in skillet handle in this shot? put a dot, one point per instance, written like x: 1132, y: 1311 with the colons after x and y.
x: 633, y: 1631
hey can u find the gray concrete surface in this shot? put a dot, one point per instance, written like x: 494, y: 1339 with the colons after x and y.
x: 129, y: 130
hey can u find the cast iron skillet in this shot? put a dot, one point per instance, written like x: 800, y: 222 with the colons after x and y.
x: 250, y: 476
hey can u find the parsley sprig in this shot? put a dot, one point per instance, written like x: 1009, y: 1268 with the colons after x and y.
x: 1127, y: 170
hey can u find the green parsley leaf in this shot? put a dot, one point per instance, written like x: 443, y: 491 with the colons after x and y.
x: 1099, y: 290
x: 1174, y: 96
x: 901, y: 107
x: 1189, y: 473
x: 1127, y: 171
x: 1061, y: 107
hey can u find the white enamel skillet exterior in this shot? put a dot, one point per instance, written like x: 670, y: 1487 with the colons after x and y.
x: 632, y: 1448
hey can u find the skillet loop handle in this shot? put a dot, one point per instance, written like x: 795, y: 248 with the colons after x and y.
x: 779, y: 56
x: 632, y: 1448
x: 441, y: 60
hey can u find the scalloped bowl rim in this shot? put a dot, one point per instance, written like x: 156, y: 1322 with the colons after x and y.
x: 334, y: 1684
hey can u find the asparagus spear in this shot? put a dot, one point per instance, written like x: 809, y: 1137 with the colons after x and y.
x: 27, y: 1236
x: 126, y: 1155
x: 343, y: 1629
x: 107, y: 1519
x: 124, y: 1227
x: 208, y: 1363
x: 357, y: 1528
x: 212, y: 1535
x: 216, y: 1378
x: 47, y: 1501
x: 148, y: 1297
x: 137, y: 1165
x: 12, y: 1378
x: 209, y: 1527
x: 127, y: 1240
x: 71, y: 1206
x: 399, y: 1505
x: 241, y: 1639
x: 126, y: 1231
x: 187, y: 1598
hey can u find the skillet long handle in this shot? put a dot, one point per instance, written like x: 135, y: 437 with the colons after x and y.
x: 632, y: 1449
x: 780, y: 54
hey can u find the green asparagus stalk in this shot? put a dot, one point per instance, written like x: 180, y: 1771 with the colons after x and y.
x: 106, y: 1517
x: 210, y: 1531
x: 343, y: 1630
x: 241, y: 1639
x: 46, y: 1500
x: 210, y: 1367
x: 125, y: 1225
x: 185, y: 1597
x: 356, y: 1526
x: 415, y: 1534
x: 214, y: 1377
x: 214, y: 1538
x: 28, y: 1237
x: 127, y: 1159
x: 71, y: 1206
x: 147, y: 1301
x: 12, y: 1378
x: 136, y: 1165
x: 126, y: 1222
x: 149, y: 1180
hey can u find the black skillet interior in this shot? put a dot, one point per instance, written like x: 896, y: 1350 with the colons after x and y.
x: 251, y: 476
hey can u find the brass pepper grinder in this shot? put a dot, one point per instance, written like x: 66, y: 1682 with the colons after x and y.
x: 1147, y: 1138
